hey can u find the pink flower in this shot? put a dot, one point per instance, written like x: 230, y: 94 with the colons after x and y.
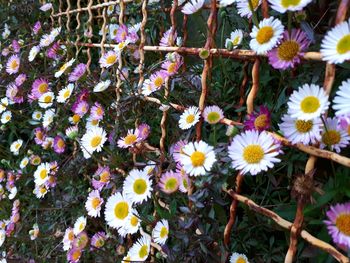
x: 101, y: 178
x: 15, y: 45
x: 176, y: 149
x: 130, y: 139
x: 169, y: 182
x: 59, y: 144
x: 172, y: 66
x: 12, y: 65
x: 21, y: 78
x: 36, y: 27
x: 338, y: 223
x: 80, y: 107
x: 97, y: 111
x: 122, y: 33
x: 158, y: 79
x: 77, y: 72
x: 144, y: 131
x: 39, y: 87
x: 259, y: 121
x: 74, y: 255
x: 98, y: 240
x: 40, y: 136
x: 165, y: 40
x: 290, y: 50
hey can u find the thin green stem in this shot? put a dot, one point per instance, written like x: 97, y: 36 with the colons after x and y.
x: 254, y: 16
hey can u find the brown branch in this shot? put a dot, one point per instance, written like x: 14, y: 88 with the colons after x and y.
x: 288, y: 225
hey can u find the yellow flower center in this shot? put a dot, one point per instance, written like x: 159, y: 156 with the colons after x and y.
x: 343, y: 45
x: 38, y: 115
x: 48, y: 99
x: 310, y: 104
x: 253, y: 153
x: 213, y: 117
x: 66, y: 94
x: 81, y: 226
x: 140, y: 186
x: 64, y: 67
x: 163, y: 232
x: 71, y: 235
x: 130, y: 139
x: 104, y: 177
x: 235, y: 41
x: 60, y: 143
x: 264, y: 34
x: 171, y: 184
x: 43, y: 190
x: 304, y: 126
x: 14, y: 64
x: 331, y: 137
x: 121, y: 210
x: 197, y: 158
x: 7, y: 117
x: 190, y: 118
x: 95, y: 202
x: 288, y: 50
x: 123, y: 34
x: 43, y: 87
x: 184, y: 182
x: 241, y: 260
x: 111, y: 59
x: 158, y: 82
x: 95, y: 141
x: 76, y: 118
x: 94, y: 122
x: 260, y: 121
x: 134, y: 220
x: 76, y: 255
x: 43, y: 174
x: 121, y: 45
x: 343, y: 223
x: 143, y: 251
x: 288, y: 3
x: 171, y: 67
x: 99, y: 111
x: 99, y: 242
x: 255, y: 4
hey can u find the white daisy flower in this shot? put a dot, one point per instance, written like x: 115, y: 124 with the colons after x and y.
x: 192, y: 6
x: 15, y: 146
x: 41, y: 174
x: 113, y: 30
x: 2, y: 236
x: 68, y: 239
x: 93, y: 203
x: 55, y: 32
x: 4, y: 102
x: 24, y: 162
x: 160, y: 232
x: 46, y: 100
x: 224, y: 3
x: 238, y: 258
x: 110, y: 10
x: 243, y: 7
x: 341, y: 102
x: 91, y: 122
x: 46, y: 7
x: 72, y: 132
x: 65, y: 93
x: 140, y: 249
x: 235, y: 39
x: 333, y: 137
x: 33, y: 52
x: 189, y: 117
x: 40, y: 191
x: 37, y: 115
x: 335, y: 46
x: 64, y: 67
x: 213, y: 114
x: 6, y: 32
x: 6, y: 117
x: 79, y: 225
x: 253, y: 152
x: 93, y: 140
x: 131, y: 226
x: 46, y: 40
x: 137, y: 186
x: 147, y: 88
x: 197, y: 158
x: 301, y: 131
x: 102, y: 85
x: 267, y: 36
x: 308, y: 102
x: 283, y: 6
x: 13, y: 193
x: 118, y: 210
x: 109, y: 59
x: 48, y: 117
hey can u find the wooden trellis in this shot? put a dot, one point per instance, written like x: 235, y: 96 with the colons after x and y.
x: 74, y: 8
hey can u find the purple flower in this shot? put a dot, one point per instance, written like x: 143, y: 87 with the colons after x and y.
x: 59, y: 144
x: 12, y: 65
x: 52, y: 52
x: 39, y: 87
x: 176, y: 149
x: 101, y: 177
x: 36, y: 27
x: 5, y: 52
x: 338, y: 223
x: 97, y: 111
x: 80, y: 107
x: 74, y: 255
x: 77, y: 73
x: 98, y: 240
x: 144, y: 131
x: 21, y: 78
x: 40, y: 135
x: 259, y: 121
x: 290, y: 50
x: 15, y: 45
x: 165, y: 40
x: 122, y: 33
